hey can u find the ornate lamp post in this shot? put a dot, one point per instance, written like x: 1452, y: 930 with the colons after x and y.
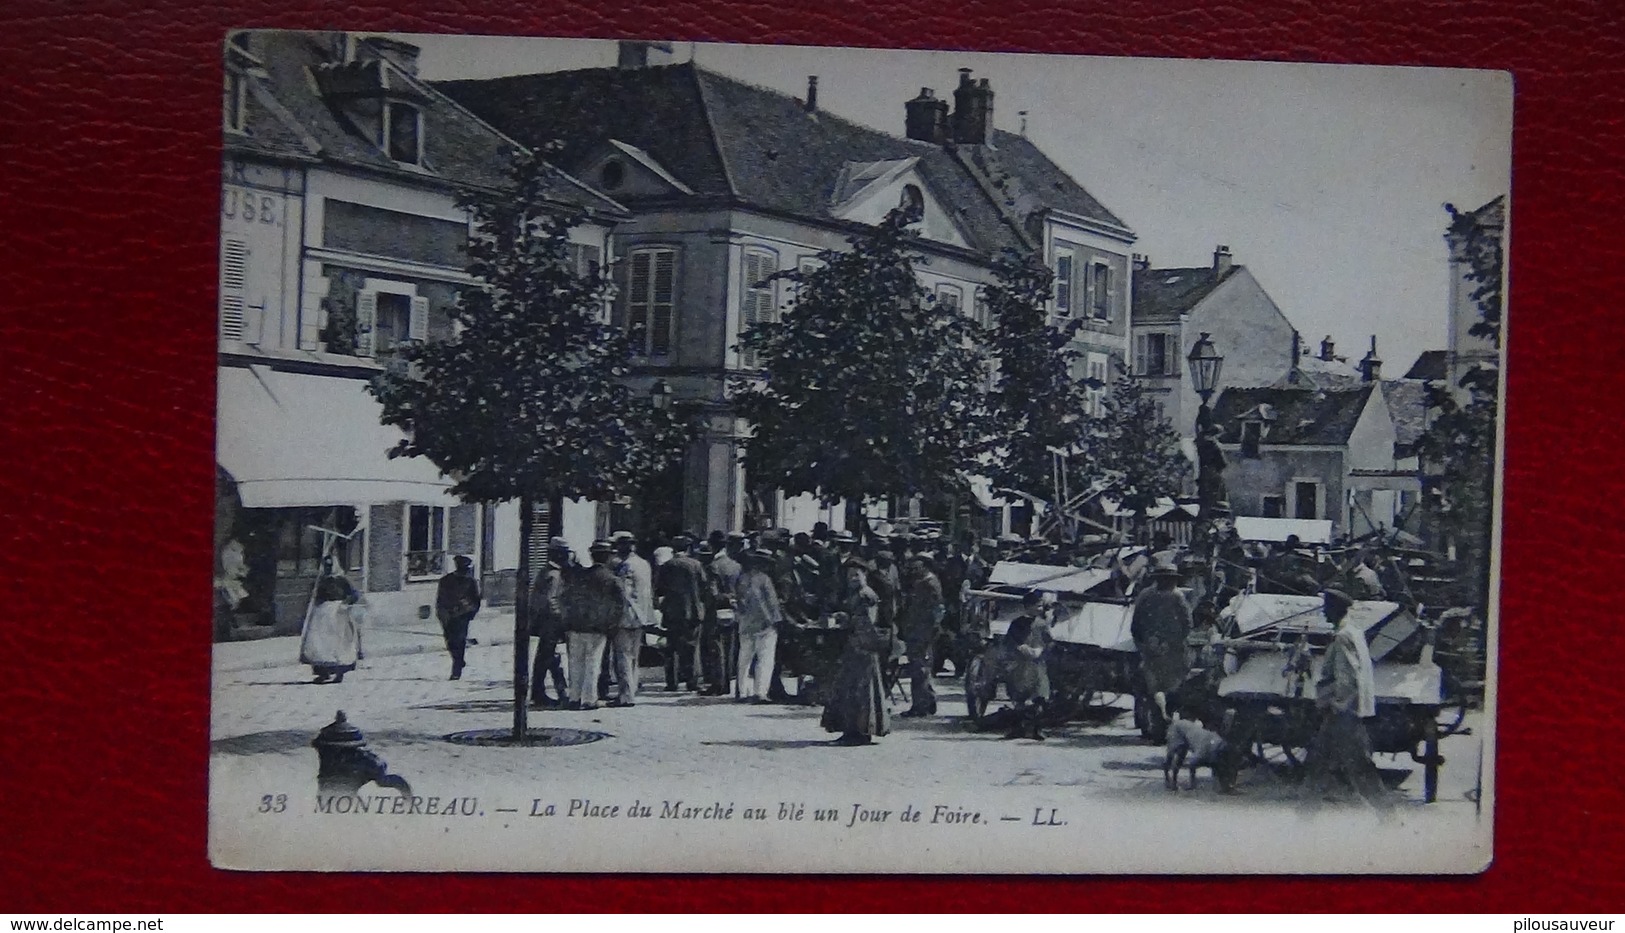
x: 1205, y: 364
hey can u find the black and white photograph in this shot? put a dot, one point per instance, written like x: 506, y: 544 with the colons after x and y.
x: 662, y: 456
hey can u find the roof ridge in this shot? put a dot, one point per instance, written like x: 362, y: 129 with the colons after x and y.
x: 694, y: 72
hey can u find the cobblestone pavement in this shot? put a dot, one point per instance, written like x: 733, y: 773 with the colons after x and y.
x: 406, y: 706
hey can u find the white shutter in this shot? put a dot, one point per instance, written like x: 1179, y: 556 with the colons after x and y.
x: 366, y: 320
x: 233, y: 279
x: 419, y: 325
x: 1111, y: 292
x: 1142, y: 361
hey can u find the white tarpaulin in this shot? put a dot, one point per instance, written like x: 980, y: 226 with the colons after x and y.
x: 291, y: 439
x: 1265, y: 675
x: 1253, y: 611
x: 1067, y: 580
x: 1103, y: 625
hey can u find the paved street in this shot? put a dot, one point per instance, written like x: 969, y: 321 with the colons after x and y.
x: 406, y: 706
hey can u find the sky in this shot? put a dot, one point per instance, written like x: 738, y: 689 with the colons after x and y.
x: 1327, y: 181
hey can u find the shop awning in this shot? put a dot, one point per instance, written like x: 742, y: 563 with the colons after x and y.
x: 293, y: 439
x: 1308, y: 530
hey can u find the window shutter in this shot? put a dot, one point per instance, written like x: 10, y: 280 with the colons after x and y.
x: 233, y: 279
x: 1111, y: 292
x: 366, y: 319
x: 756, y: 302
x: 637, y: 300
x: 1141, y: 360
x: 1063, y: 284
x: 660, y: 311
x: 419, y: 326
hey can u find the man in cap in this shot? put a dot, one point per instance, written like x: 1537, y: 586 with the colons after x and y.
x: 456, y: 601
x: 1160, y: 626
x: 757, y: 614
x: 726, y: 568
x: 637, y: 582
x: 1345, y: 693
x: 919, y: 619
x: 547, y: 625
x: 594, y: 603
x: 682, y: 593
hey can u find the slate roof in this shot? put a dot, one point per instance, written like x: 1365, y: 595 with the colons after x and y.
x: 1408, y: 404
x: 1302, y: 416
x: 1162, y: 295
x: 289, y: 118
x: 1430, y: 365
x: 727, y: 139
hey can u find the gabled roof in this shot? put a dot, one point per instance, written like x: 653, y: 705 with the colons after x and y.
x: 1162, y: 295
x: 1408, y: 404
x: 1296, y: 416
x: 731, y: 140
x: 289, y: 118
x: 1429, y: 365
x: 1312, y: 372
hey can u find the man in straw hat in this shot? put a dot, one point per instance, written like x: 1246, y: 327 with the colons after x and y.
x: 757, y: 615
x: 1160, y: 626
x: 1346, y: 695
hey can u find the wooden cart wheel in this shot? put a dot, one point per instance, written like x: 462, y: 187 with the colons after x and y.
x: 977, y: 695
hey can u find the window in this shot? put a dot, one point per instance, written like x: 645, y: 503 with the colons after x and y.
x: 1305, y: 499
x: 912, y: 203
x: 236, y: 101
x: 233, y: 279
x: 650, y: 299
x: 951, y: 297
x: 425, y: 541
x: 389, y: 314
x: 1063, y: 282
x: 1097, y: 371
x: 612, y: 175
x: 403, y: 133
x: 1252, y: 433
x: 979, y: 312
x: 585, y: 259
x: 1275, y: 506
x: 1152, y: 356
x: 756, y: 294
x: 1102, y: 291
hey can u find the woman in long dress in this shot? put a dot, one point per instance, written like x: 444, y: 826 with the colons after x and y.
x: 331, y: 643
x: 857, y: 703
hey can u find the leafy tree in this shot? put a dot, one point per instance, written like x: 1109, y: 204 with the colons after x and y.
x: 527, y: 400
x: 1037, y: 405
x: 1458, y: 446
x: 1135, y: 450
x: 869, y: 387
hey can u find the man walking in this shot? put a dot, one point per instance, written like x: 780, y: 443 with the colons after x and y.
x: 547, y: 625
x: 919, y: 620
x: 1160, y: 627
x: 456, y: 601
x: 757, y: 614
x: 593, y: 604
x: 637, y: 583
x: 726, y: 569
x: 681, y: 590
x: 1345, y: 693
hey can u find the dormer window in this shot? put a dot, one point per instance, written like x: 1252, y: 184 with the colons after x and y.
x: 403, y: 133
x: 612, y: 175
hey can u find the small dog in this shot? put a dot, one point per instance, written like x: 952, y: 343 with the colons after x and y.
x: 1187, y: 740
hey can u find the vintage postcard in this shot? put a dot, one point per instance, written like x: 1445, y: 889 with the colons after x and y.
x: 674, y: 457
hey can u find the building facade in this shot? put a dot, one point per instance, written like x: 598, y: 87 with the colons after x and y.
x: 728, y: 183
x: 342, y: 238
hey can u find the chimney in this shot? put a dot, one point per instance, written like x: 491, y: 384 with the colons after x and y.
x: 926, y: 118
x: 973, y: 111
x: 1023, y: 115
x: 1221, y: 260
x: 812, y: 94
x: 630, y: 55
x: 1142, y: 262
x: 1371, y: 366
x: 1328, y: 349
x: 404, y: 55
x: 1297, y: 350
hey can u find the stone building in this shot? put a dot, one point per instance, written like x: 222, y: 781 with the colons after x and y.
x: 728, y: 183
x: 340, y: 239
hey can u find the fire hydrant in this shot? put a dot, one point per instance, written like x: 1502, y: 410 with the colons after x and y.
x: 346, y: 764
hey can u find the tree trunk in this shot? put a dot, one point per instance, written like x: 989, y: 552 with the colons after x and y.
x: 521, y: 622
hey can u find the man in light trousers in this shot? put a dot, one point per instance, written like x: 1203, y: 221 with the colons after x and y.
x: 593, y: 606
x: 637, y: 581
x: 757, y: 614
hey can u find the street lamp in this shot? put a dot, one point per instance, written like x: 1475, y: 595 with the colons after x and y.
x: 1205, y: 364
x: 660, y: 395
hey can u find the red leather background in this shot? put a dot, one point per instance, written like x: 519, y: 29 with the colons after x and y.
x: 109, y: 136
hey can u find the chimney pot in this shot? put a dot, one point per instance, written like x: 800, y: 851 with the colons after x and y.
x: 1328, y: 349
x: 1297, y: 350
x: 1142, y: 262
x: 1221, y: 259
x: 973, y: 111
x: 926, y: 118
x: 812, y: 93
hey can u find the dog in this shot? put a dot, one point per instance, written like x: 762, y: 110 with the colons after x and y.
x: 1189, y: 743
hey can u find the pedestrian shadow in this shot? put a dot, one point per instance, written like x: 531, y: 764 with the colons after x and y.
x: 280, y: 741
x: 471, y: 706
x: 774, y: 745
